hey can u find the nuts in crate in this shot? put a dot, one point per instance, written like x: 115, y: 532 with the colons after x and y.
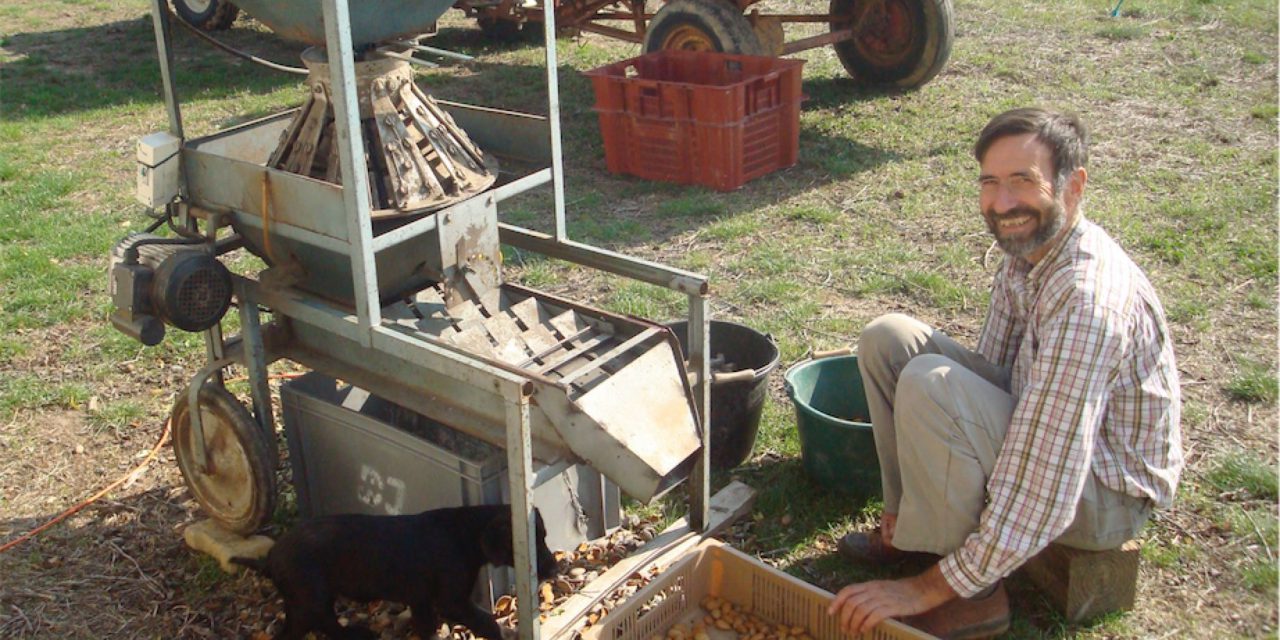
x: 728, y: 621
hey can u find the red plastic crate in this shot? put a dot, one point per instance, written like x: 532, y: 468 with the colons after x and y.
x: 699, y: 117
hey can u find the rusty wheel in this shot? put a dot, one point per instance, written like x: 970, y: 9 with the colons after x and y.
x: 902, y: 43
x: 701, y: 25
x: 209, y: 15
x: 237, y: 487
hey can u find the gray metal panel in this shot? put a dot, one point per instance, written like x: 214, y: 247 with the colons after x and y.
x: 220, y: 183
x: 327, y: 269
x: 347, y: 461
x: 435, y: 395
x: 251, y: 141
x: 513, y: 134
x: 347, y: 457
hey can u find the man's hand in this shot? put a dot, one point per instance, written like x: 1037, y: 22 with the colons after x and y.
x: 859, y: 607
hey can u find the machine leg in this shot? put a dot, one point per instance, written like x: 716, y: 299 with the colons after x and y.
x: 214, y: 345
x: 255, y: 356
x: 700, y: 363
x: 193, y: 399
x: 520, y: 477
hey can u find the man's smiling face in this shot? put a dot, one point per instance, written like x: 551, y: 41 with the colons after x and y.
x: 1022, y: 209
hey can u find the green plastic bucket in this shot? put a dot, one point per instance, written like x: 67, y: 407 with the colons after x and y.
x: 837, y: 446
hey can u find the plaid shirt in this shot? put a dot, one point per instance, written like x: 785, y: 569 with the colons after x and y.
x: 1096, y: 391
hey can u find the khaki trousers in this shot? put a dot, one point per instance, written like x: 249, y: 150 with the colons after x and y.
x: 939, y: 412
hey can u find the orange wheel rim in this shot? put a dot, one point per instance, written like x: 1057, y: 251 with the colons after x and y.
x: 884, y: 31
x: 686, y: 38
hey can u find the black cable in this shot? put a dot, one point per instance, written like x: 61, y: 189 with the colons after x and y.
x: 236, y: 52
x: 156, y: 223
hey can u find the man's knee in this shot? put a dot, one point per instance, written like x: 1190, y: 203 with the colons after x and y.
x: 923, y: 376
x: 887, y: 335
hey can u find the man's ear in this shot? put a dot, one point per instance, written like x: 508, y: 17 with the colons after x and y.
x: 1075, y: 188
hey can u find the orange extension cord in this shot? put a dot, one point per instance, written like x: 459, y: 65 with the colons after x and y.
x: 164, y: 437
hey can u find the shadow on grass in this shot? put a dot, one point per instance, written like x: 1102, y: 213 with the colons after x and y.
x: 107, y: 65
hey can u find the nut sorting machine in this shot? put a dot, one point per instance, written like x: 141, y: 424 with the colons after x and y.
x: 374, y: 208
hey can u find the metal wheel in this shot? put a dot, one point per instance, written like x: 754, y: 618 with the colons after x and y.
x: 237, y: 488
x: 701, y: 25
x: 903, y: 43
x: 209, y: 15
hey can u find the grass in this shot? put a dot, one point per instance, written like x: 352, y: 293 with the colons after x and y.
x: 1255, y: 382
x: 118, y: 415
x: 878, y: 215
x: 1239, y: 470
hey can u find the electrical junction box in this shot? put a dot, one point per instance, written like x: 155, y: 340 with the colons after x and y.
x: 157, y: 177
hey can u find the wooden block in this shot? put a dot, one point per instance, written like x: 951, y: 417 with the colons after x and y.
x: 1085, y: 584
x: 209, y: 537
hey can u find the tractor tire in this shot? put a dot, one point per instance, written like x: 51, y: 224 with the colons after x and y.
x: 503, y: 30
x: 701, y: 25
x: 896, y: 43
x: 237, y: 486
x: 207, y: 15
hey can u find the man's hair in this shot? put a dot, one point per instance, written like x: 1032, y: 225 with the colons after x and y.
x: 1063, y: 133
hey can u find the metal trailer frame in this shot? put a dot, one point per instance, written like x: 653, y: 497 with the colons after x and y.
x: 257, y: 345
x: 586, y: 15
x: 902, y: 43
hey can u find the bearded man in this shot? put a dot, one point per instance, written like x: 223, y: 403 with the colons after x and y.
x: 1061, y: 427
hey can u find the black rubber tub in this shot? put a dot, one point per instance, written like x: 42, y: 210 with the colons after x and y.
x: 742, y: 359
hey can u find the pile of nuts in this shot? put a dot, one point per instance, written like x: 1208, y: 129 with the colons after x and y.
x: 581, y: 566
x: 725, y: 616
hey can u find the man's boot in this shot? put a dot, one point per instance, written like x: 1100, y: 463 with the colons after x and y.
x: 870, y: 548
x: 966, y: 618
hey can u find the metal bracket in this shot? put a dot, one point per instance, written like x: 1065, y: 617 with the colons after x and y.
x: 193, y: 407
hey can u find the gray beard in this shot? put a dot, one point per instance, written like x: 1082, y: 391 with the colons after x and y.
x: 1050, y: 222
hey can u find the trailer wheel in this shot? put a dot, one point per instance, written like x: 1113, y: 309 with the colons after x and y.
x: 237, y: 489
x: 504, y: 30
x: 903, y: 43
x: 209, y: 15
x: 701, y: 25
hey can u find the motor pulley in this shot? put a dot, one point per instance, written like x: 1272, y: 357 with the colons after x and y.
x: 157, y: 281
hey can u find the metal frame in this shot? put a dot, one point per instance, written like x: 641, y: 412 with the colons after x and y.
x: 587, y: 15
x: 255, y: 350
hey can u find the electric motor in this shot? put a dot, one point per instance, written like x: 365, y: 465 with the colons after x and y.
x: 157, y: 281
